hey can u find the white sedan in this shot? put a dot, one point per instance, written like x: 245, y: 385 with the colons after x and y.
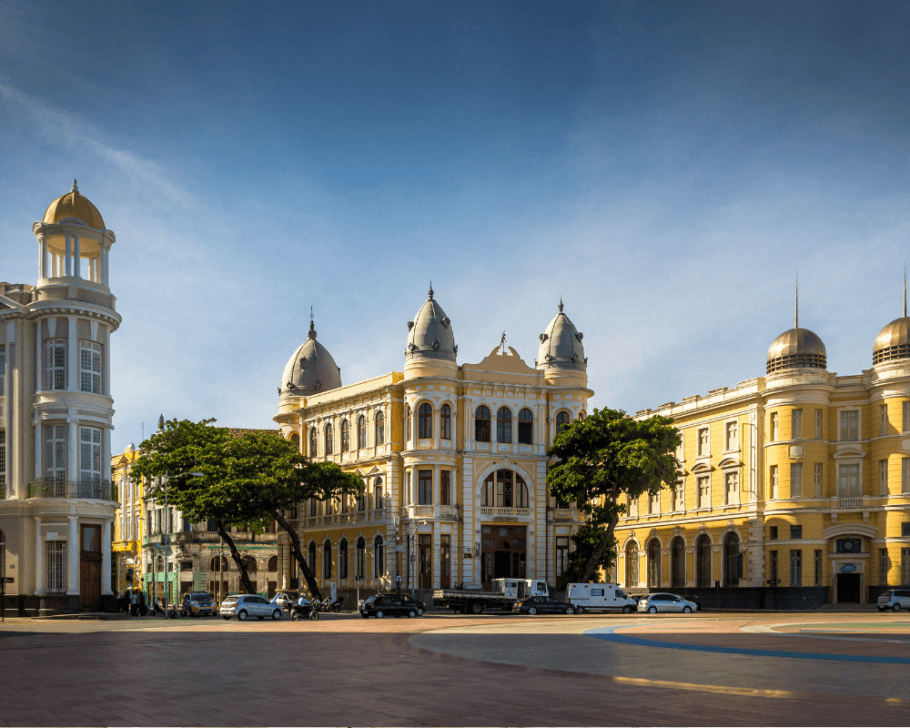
x: 653, y: 603
x: 244, y: 606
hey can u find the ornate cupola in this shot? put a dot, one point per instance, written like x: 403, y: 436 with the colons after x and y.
x: 893, y: 342
x: 431, y: 349
x: 561, y: 356
x: 310, y: 370
x: 797, y: 349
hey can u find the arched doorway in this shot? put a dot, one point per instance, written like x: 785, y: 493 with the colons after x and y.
x: 654, y: 564
x: 733, y: 564
x: 703, y: 561
x: 503, y: 551
x: 631, y: 564
x: 678, y: 563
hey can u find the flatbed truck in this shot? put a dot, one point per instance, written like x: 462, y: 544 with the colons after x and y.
x: 505, y: 592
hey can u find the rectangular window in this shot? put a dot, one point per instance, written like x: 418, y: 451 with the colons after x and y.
x: 818, y: 567
x: 679, y: 496
x: 55, y: 453
x: 55, y: 364
x: 703, y: 442
x: 796, y: 424
x: 796, y: 480
x: 817, y: 478
x: 905, y: 566
x: 905, y: 419
x: 2, y: 371
x: 849, y: 425
x: 818, y: 424
x: 425, y: 487
x: 796, y: 531
x: 731, y: 488
x: 848, y: 485
x: 772, y: 533
x: 883, y: 419
x: 445, y: 480
x: 704, y: 491
x: 773, y: 483
x: 883, y: 477
x: 89, y: 455
x: 562, y: 554
x: 55, y: 552
x: 905, y: 475
x: 90, y: 367
x: 732, y: 436
x: 774, y: 432
x: 774, y: 569
x: 654, y: 504
x: 883, y: 565
x: 905, y: 529
x: 796, y: 568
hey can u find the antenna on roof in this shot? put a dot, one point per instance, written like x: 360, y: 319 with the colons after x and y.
x: 905, y: 289
x: 75, y: 187
x: 797, y: 301
x: 560, y: 304
x: 431, y: 291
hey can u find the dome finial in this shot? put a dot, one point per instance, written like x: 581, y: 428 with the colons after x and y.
x: 75, y: 187
x: 796, y: 326
x: 560, y: 304
x: 312, y: 332
x: 905, y: 289
x: 430, y: 292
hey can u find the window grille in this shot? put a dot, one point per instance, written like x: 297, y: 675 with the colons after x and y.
x: 55, y: 364
x: 56, y: 567
x: 796, y: 480
x: 818, y: 567
x: 796, y: 568
x: 90, y: 367
x: 796, y: 424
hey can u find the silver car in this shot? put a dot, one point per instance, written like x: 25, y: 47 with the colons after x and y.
x: 244, y: 606
x: 895, y: 600
x: 653, y: 603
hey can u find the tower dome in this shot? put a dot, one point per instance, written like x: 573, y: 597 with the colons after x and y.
x: 893, y: 341
x: 312, y: 368
x: 73, y: 205
x: 560, y: 345
x: 797, y: 349
x: 430, y: 335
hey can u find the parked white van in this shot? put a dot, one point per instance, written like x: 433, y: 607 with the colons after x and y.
x: 599, y: 597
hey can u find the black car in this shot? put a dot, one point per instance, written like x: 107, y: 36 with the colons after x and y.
x: 391, y: 605
x: 542, y: 605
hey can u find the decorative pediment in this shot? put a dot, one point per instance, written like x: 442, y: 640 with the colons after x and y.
x: 849, y: 452
x: 701, y: 468
x: 850, y: 529
x: 730, y: 462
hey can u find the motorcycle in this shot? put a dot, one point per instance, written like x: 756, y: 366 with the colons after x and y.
x: 307, y: 611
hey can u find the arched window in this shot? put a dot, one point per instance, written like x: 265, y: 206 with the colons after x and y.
x: 295, y: 438
x: 327, y: 559
x: 215, y: 566
x: 329, y: 440
x: 732, y: 560
x: 380, y: 428
x: 703, y: 561
x: 312, y: 507
x: 631, y: 564
x: 361, y: 558
x: 249, y: 563
x: 504, y: 425
x: 378, y: 503
x: 482, y: 424
x: 505, y: 489
x: 311, y: 557
x: 361, y: 432
x: 343, y: 559
x: 378, y: 557
x: 313, y: 442
x: 562, y: 421
x: 445, y: 422
x: 677, y: 563
x: 425, y: 421
x: 581, y: 415
x: 525, y: 427
x: 345, y: 436
x: 654, y: 563
x: 407, y: 423
x: 273, y: 563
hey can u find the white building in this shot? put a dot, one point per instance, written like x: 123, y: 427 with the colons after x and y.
x: 56, y: 504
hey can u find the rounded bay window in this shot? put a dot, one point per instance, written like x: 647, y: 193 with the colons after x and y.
x: 505, y: 489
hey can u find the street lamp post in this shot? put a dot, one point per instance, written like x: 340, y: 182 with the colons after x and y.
x: 167, y: 536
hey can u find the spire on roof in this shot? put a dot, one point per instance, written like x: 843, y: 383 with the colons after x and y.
x: 560, y: 304
x: 430, y: 293
x: 75, y: 187
x: 797, y: 302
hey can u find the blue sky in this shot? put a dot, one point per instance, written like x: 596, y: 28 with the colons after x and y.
x: 666, y: 168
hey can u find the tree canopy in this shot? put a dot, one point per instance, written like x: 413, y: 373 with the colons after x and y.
x: 602, y: 460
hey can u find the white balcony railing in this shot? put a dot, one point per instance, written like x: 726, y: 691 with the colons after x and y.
x: 503, y: 512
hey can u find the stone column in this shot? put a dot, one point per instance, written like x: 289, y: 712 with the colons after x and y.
x: 106, y: 557
x: 77, y: 255
x: 104, y: 266
x: 39, y: 558
x: 39, y: 471
x: 72, y: 354
x: 42, y: 257
x: 72, y: 558
x: 72, y: 450
x: 68, y: 258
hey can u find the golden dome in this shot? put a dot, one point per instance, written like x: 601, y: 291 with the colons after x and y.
x: 893, y: 342
x: 797, y: 349
x: 73, y: 204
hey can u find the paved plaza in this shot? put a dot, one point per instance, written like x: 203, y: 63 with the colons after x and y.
x: 703, y: 669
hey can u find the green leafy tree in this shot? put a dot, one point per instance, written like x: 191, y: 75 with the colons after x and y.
x: 603, y: 460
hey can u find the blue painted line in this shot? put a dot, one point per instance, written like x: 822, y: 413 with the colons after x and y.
x: 608, y: 634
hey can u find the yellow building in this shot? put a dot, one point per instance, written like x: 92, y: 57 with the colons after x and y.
x: 796, y: 485
x: 453, y: 459
x: 127, y: 540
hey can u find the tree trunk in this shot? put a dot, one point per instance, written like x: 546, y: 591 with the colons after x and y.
x: 235, y: 554
x: 598, y: 552
x: 298, y: 554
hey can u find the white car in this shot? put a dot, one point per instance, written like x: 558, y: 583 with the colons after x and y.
x: 653, y: 603
x: 244, y: 606
x: 895, y: 600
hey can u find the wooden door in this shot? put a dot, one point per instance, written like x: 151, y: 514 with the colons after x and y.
x: 90, y: 568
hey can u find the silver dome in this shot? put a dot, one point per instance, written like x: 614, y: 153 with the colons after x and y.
x: 560, y: 345
x: 430, y: 334
x: 893, y: 342
x: 312, y: 369
x: 797, y: 349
